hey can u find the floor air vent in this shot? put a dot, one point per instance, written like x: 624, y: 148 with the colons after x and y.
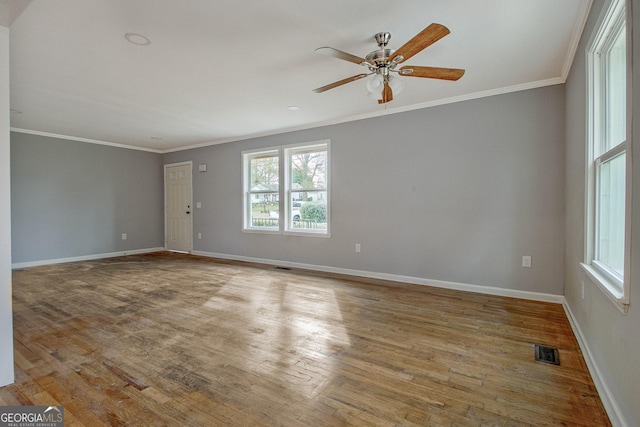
x: 281, y: 268
x: 547, y: 354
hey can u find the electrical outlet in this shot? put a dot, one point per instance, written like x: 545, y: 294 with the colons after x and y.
x: 124, y: 236
x: 199, y: 236
x: 526, y: 261
x: 358, y: 247
x: 582, y: 289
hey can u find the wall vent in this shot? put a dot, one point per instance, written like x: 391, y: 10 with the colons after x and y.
x: 547, y: 354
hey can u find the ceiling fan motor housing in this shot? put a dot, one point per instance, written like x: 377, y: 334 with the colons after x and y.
x: 379, y: 63
x: 379, y: 57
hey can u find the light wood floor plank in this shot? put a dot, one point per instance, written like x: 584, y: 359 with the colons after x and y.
x: 171, y: 340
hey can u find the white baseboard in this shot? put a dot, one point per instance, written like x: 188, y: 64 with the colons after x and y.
x: 84, y: 258
x: 535, y: 296
x: 613, y: 410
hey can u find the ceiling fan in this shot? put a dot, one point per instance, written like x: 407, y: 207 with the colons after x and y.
x: 383, y: 62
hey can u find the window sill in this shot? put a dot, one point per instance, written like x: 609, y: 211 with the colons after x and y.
x: 306, y: 234
x: 610, y: 291
x: 285, y: 233
x: 260, y: 231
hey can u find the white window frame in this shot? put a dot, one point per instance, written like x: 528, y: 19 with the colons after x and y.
x: 247, y: 156
x: 288, y: 151
x: 615, y: 13
x: 284, y: 189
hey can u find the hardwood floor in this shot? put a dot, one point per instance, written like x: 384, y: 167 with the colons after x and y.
x: 168, y: 339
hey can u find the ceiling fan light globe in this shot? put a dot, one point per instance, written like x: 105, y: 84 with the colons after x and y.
x: 375, y: 84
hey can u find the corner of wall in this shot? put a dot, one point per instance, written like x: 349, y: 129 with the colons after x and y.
x: 6, y: 319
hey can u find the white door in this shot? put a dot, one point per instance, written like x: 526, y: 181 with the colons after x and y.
x: 177, y: 196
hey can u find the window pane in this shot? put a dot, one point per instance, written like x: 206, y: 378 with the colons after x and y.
x: 308, y: 169
x: 610, y: 215
x: 308, y: 211
x: 264, y: 173
x: 263, y: 210
x: 615, y: 92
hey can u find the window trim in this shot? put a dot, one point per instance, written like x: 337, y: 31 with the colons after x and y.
x: 283, y: 190
x: 609, y: 21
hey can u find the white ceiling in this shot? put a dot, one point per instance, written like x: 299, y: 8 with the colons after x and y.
x: 223, y: 70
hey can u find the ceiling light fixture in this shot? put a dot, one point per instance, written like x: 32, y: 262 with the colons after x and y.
x: 137, y: 39
x: 384, y: 61
x: 293, y: 108
x: 375, y: 85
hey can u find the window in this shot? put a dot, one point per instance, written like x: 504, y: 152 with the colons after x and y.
x: 286, y: 189
x: 306, y: 188
x: 606, y: 235
x: 262, y: 192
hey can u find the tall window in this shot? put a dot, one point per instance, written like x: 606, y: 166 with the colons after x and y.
x: 608, y: 141
x: 286, y: 189
x: 306, y: 188
x: 262, y: 189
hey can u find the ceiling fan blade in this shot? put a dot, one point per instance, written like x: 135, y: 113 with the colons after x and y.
x: 387, y: 94
x: 329, y: 51
x: 431, y: 72
x: 425, y: 38
x: 340, y: 83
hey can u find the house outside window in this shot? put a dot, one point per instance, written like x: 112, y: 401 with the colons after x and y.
x: 607, y: 250
x: 286, y: 189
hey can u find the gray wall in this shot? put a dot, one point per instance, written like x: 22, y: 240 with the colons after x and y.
x: 613, y: 338
x: 456, y: 193
x: 72, y: 199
